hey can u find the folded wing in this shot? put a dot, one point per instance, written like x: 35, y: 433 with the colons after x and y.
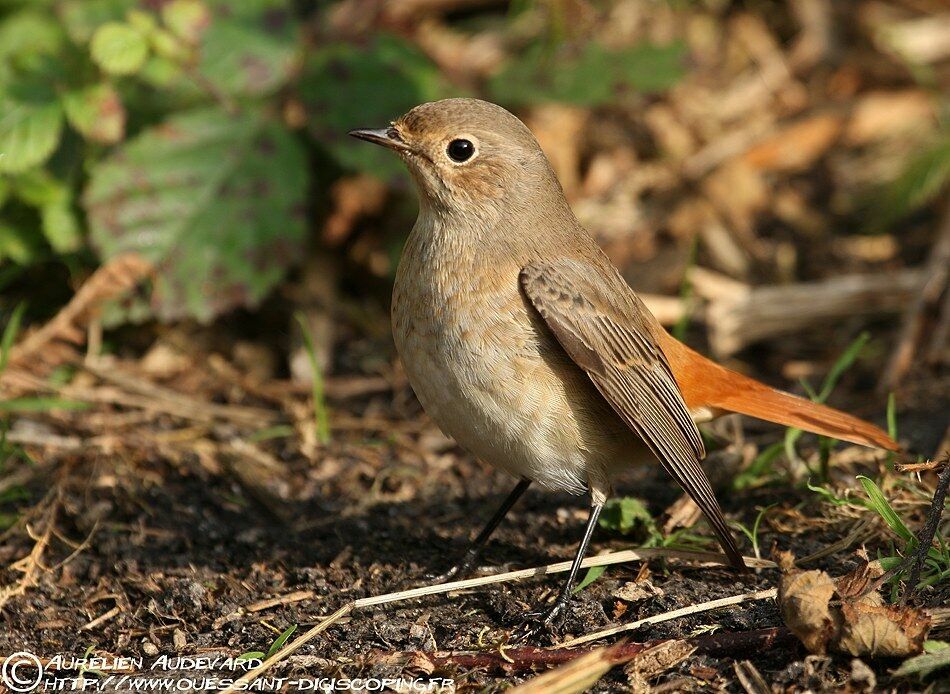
x: 606, y: 330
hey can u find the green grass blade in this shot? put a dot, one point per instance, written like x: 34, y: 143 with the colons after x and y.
x: 321, y: 417
x: 281, y: 640
x: 593, y: 573
x: 41, y: 405
x: 878, y: 502
x: 9, y: 334
x: 843, y: 363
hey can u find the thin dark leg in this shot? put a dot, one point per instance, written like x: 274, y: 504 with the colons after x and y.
x: 535, y: 620
x: 467, y: 561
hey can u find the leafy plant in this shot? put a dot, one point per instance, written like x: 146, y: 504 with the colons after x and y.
x: 274, y: 647
x: 936, y: 656
x: 923, y: 179
x: 753, y: 533
x: 589, y: 74
x: 842, y: 364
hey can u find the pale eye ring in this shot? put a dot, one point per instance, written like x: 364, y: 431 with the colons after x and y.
x: 460, y: 150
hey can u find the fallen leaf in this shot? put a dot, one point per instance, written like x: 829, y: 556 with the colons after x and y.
x: 636, y: 591
x: 862, y: 624
x: 803, y: 598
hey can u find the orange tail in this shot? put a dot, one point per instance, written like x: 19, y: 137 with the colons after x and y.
x: 705, y: 384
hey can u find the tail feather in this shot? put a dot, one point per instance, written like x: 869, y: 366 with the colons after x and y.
x: 707, y: 385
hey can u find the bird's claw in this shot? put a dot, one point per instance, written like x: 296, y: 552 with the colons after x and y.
x: 538, y: 621
x: 456, y: 572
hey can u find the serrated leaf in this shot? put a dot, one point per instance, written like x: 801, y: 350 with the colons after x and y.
x: 346, y: 86
x: 96, y: 112
x: 250, y: 47
x: 214, y: 200
x: 119, y: 48
x: 31, y: 122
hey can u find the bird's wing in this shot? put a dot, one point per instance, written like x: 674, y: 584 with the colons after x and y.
x: 605, y: 329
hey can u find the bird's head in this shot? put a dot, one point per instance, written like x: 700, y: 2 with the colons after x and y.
x: 466, y: 153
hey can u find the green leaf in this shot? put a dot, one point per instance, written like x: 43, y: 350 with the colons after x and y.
x: 187, y: 19
x: 250, y: 47
x: 593, y: 573
x: 119, y: 48
x: 96, y: 112
x: 625, y: 514
x: 31, y: 123
x: 878, y: 502
x: 936, y: 657
x: 346, y: 86
x: 28, y: 33
x: 61, y: 226
x: 281, y: 640
x: 18, y: 245
x: 216, y: 201
x: 81, y: 18
x: 589, y: 75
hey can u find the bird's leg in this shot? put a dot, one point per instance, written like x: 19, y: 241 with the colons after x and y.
x: 534, y: 621
x: 465, y: 564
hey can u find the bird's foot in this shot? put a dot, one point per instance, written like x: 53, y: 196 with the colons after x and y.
x: 539, y: 621
x: 457, y: 572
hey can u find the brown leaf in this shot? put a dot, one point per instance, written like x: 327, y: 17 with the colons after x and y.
x: 803, y: 598
x: 881, y: 630
x: 861, y: 625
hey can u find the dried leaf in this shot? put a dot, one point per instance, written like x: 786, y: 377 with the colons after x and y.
x: 862, y: 625
x: 881, y: 630
x: 636, y: 591
x: 803, y: 598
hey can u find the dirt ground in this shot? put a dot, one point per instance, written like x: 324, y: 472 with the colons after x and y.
x: 175, y: 545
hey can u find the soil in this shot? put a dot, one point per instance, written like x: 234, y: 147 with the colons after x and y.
x: 182, y: 548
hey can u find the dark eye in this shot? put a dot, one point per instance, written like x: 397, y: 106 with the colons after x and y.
x: 460, y: 150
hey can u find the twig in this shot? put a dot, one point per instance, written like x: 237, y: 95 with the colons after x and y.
x: 675, y: 614
x: 111, y: 280
x: 296, y: 596
x: 101, y: 619
x: 32, y: 564
x: 602, y: 560
x: 925, y: 537
x: 765, y: 312
x: 529, y: 658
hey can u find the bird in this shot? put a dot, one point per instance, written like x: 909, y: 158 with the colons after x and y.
x: 524, y: 343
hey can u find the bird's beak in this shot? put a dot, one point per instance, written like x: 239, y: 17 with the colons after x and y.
x: 387, y: 137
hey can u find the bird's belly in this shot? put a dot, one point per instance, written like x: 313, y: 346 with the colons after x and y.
x: 485, y: 378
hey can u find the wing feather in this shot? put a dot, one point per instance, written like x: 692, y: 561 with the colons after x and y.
x: 605, y: 329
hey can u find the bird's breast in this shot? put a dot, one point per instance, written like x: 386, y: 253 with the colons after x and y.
x: 486, y: 370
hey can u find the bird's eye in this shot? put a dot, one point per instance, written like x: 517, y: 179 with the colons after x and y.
x: 460, y: 150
